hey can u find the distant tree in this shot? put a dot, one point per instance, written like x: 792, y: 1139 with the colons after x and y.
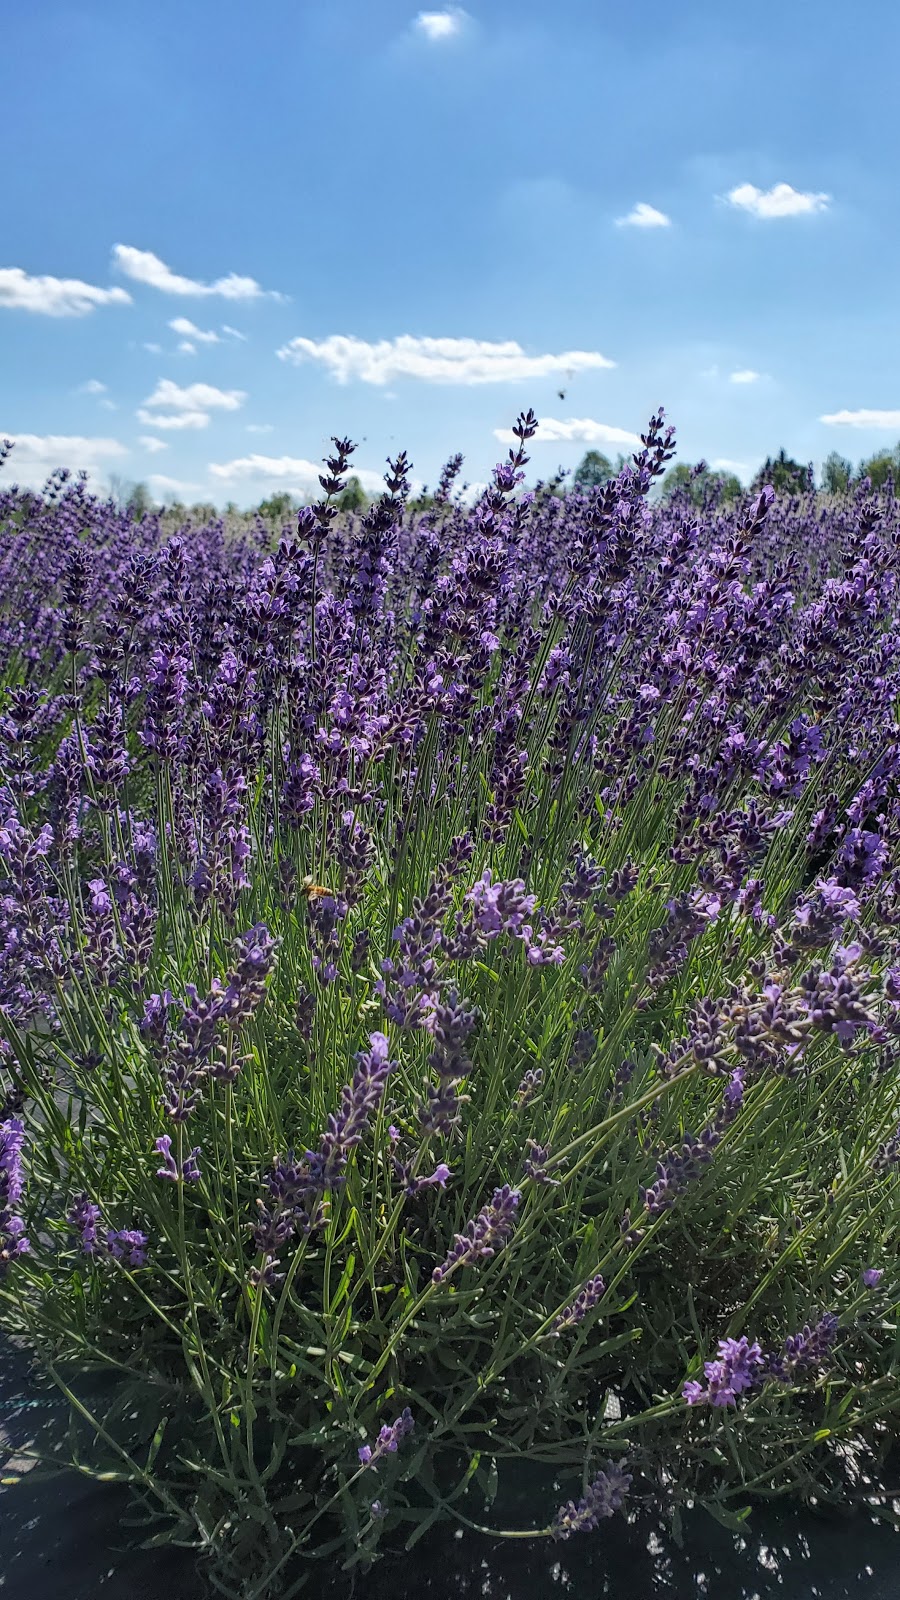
x: 785, y: 475
x: 728, y: 484
x: 700, y: 485
x: 140, y: 500
x: 354, y: 497
x: 593, y: 470
x: 678, y: 481
x: 203, y: 511
x: 880, y: 465
x: 277, y: 507
x: 837, y: 472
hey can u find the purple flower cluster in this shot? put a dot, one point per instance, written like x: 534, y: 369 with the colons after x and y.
x: 296, y: 1188
x: 488, y: 1232
x: 603, y: 1498
x: 389, y: 1439
x: 677, y: 1169
x: 742, y: 1366
x: 12, y: 1183
x: 128, y: 1245
x: 585, y: 1301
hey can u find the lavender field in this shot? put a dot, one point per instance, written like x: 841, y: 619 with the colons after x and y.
x: 450, y: 1003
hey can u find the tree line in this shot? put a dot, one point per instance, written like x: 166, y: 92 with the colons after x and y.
x: 698, y: 483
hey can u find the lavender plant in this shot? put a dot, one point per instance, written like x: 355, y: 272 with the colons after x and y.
x: 385, y: 908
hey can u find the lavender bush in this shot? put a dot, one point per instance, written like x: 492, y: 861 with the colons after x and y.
x: 450, y: 1000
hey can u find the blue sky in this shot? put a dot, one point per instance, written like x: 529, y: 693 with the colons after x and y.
x: 407, y: 224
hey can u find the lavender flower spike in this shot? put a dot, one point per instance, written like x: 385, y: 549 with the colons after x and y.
x: 83, y: 1218
x: 740, y: 1366
x: 584, y: 1301
x: 605, y: 1496
x: 190, y: 1169
x: 346, y: 1127
x: 490, y: 1230
x: 12, y: 1229
x: 128, y: 1245
x: 388, y: 1439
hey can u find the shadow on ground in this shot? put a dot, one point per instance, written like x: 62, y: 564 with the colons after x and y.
x: 64, y: 1539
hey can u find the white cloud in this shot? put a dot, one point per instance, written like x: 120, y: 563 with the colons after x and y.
x: 175, y: 419
x: 155, y: 349
x: 724, y: 464
x: 145, y: 267
x: 260, y: 427
x: 195, y: 397
x: 234, y: 333
x: 745, y: 375
x: 779, y: 201
x: 151, y: 445
x: 864, y: 419
x: 37, y: 455
x: 467, y: 361
x: 552, y: 431
x: 93, y: 386
x: 188, y: 330
x: 644, y: 216
x: 438, y: 25
x: 55, y: 297
x: 162, y: 484
x: 292, y: 473
x: 186, y: 348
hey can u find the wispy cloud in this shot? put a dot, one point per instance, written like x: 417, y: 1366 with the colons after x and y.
x: 186, y: 348
x: 172, y: 420
x: 864, y: 419
x: 163, y: 485
x: 188, y: 330
x: 92, y: 386
x: 466, y: 361
x: 291, y: 472
x: 234, y: 333
x: 644, y: 216
x: 439, y: 25
x: 744, y: 375
x: 260, y: 427
x: 583, y: 429
x: 151, y: 445
x: 35, y: 455
x: 155, y: 349
x: 188, y: 406
x: 725, y: 464
x: 55, y: 297
x: 145, y: 267
x: 779, y: 201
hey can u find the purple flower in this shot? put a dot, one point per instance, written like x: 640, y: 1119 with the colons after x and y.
x: 190, y: 1169
x: 388, y: 1439
x: 345, y: 1128
x: 742, y: 1365
x: 585, y: 1301
x: 489, y: 1231
x: 84, y: 1218
x: 603, y: 1498
x: 128, y: 1245
x: 12, y: 1182
x: 169, y: 1168
x: 872, y: 1276
x: 154, y: 1024
x: 500, y: 907
x: 738, y: 1368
